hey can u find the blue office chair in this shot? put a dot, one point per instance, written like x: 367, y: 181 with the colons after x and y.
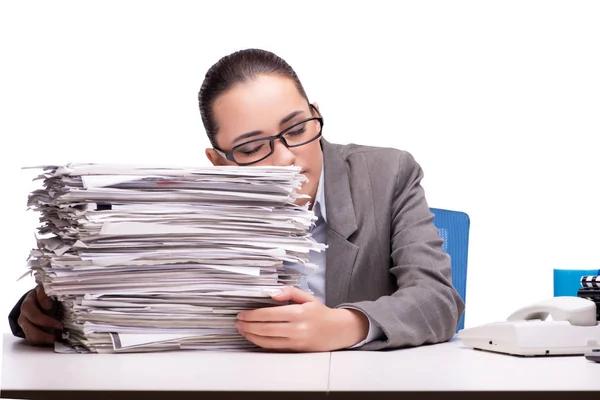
x: 453, y: 227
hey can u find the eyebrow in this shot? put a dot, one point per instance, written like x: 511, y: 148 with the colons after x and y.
x: 247, y: 135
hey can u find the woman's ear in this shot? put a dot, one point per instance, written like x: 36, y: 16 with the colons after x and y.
x: 214, y: 157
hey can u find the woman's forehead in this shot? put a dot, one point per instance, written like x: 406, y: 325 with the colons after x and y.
x: 257, y: 104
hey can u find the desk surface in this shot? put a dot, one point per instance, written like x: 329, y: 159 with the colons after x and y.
x: 27, y: 368
x: 447, y: 366
x: 453, y: 367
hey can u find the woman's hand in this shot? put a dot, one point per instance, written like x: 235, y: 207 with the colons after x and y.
x: 38, y: 327
x: 308, y: 325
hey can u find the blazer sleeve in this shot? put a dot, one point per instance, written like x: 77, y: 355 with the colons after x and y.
x: 13, y: 318
x: 425, y: 308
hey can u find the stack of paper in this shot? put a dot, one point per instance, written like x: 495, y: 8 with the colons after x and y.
x: 147, y: 259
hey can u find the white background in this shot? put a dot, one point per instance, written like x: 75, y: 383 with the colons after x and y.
x: 498, y: 101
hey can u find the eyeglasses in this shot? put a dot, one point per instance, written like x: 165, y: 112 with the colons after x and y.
x: 256, y: 150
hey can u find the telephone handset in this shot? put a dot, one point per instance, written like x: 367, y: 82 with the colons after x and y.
x: 575, y: 310
x: 559, y: 325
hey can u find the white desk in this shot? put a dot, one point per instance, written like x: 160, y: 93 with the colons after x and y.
x: 30, y: 372
x: 27, y: 368
x: 453, y: 367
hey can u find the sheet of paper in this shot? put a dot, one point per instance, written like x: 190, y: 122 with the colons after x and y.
x: 128, y: 340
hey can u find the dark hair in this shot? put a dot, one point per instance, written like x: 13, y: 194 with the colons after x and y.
x: 238, y: 67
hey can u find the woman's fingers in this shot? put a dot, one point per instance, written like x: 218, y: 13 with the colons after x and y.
x: 33, y: 334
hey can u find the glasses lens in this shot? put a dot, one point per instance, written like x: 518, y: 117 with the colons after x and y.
x: 257, y: 150
x: 252, y: 151
x: 303, y: 133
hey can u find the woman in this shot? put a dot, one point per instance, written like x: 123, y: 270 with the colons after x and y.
x: 384, y: 281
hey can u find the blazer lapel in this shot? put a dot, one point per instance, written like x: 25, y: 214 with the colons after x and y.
x: 341, y: 222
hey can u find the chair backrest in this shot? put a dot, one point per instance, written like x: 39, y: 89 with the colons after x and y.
x: 453, y: 228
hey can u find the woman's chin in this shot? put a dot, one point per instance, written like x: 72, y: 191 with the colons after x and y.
x: 301, y: 201
x: 304, y: 190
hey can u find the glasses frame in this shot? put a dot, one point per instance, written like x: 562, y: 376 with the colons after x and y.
x: 229, y: 155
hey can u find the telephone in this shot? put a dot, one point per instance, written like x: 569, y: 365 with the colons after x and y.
x: 572, y: 330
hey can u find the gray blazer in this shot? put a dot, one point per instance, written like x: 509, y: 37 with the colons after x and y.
x: 385, y: 256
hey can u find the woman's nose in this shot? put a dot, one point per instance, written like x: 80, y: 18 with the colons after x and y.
x: 282, y: 156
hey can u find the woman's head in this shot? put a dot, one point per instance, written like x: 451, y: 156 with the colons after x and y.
x: 254, y: 94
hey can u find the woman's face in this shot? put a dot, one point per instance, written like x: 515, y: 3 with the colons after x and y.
x: 263, y: 106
